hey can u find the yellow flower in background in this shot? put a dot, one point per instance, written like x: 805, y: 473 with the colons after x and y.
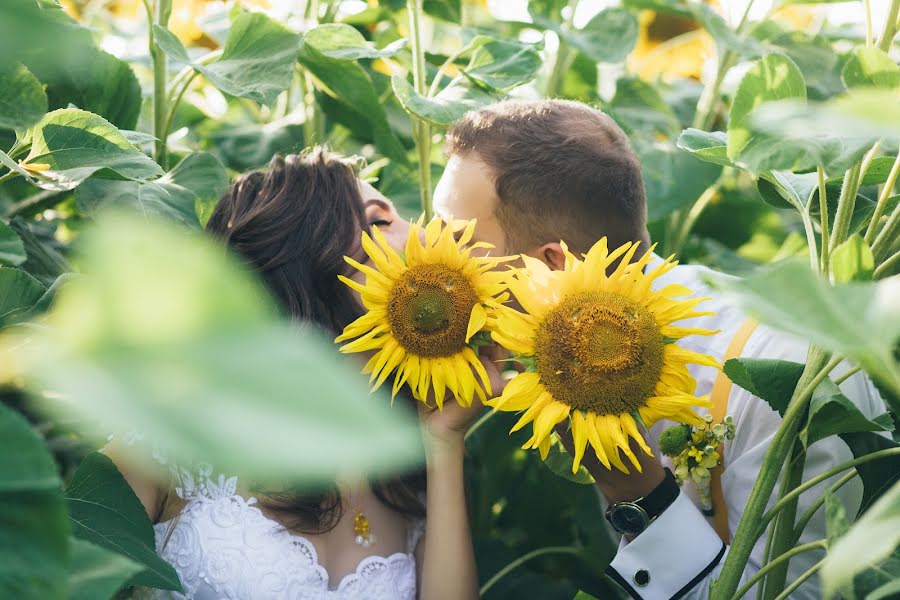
x: 603, y: 351
x: 669, y: 47
x: 423, y: 310
x: 184, y: 21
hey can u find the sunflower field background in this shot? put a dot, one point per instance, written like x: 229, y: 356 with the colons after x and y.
x: 768, y: 134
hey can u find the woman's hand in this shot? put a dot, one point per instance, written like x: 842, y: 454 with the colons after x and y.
x: 447, y: 427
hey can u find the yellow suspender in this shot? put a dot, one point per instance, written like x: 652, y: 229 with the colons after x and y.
x: 720, y: 391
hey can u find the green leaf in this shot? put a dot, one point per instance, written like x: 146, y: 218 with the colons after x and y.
x: 889, y: 590
x: 870, y: 540
x: 336, y: 40
x: 773, y: 77
x: 105, y: 511
x: 709, y: 146
x: 877, y: 475
x: 560, y: 462
x: 852, y: 260
x: 257, y: 61
x: 171, y: 45
x: 91, y: 80
x: 640, y: 109
x: 856, y: 320
x: 12, y: 250
x: 784, y: 189
x: 77, y: 144
x: 831, y: 413
x: 192, y: 188
x: 34, y: 530
x: 583, y: 596
x: 348, y: 83
x: 446, y: 10
x: 445, y: 108
x: 608, y: 37
x: 166, y: 331
x: 22, y: 98
x: 770, y: 379
x: 502, y: 64
x: 19, y: 291
x: 870, y: 67
x: 859, y: 114
x: 673, y: 179
x: 96, y: 573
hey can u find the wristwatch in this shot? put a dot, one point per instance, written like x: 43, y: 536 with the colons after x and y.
x: 634, y: 516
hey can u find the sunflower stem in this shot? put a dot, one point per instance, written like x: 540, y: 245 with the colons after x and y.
x: 481, y: 421
x: 817, y: 504
x: 522, y: 560
x: 823, y: 220
x: 882, y: 200
x: 890, y: 27
x: 421, y: 129
x: 784, y: 532
x: 817, y: 368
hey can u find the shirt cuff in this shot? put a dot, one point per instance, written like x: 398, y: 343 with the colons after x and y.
x: 671, y: 556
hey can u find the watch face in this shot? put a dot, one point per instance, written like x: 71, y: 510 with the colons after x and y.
x: 628, y: 518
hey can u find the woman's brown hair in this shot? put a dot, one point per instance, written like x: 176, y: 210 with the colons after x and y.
x: 293, y: 223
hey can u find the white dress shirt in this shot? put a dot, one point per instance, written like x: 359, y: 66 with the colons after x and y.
x: 680, y: 550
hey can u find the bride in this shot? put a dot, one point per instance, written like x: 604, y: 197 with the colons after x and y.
x: 228, y: 538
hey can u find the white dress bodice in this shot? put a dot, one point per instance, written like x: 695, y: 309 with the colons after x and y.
x: 224, y: 547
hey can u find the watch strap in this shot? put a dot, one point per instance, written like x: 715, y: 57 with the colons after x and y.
x: 661, y: 497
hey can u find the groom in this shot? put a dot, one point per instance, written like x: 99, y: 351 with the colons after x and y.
x: 537, y: 172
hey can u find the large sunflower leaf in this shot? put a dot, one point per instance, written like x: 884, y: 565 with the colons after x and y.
x: 773, y: 77
x: 870, y: 67
x: 770, y: 379
x: 337, y: 40
x: 503, y: 64
x: 97, y: 573
x: 19, y: 291
x: 608, y: 37
x: 74, y: 144
x: 257, y: 61
x: 12, y: 251
x: 165, y: 331
x: 858, y: 320
x: 831, y: 413
x: 22, y: 98
x: 34, y: 530
x: 446, y: 107
x: 105, y: 511
x: 350, y: 84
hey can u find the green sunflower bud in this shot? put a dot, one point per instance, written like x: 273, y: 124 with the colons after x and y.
x: 674, y: 439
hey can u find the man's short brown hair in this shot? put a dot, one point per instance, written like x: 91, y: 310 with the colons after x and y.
x: 562, y: 171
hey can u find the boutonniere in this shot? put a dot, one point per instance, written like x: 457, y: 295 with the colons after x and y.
x: 694, y: 453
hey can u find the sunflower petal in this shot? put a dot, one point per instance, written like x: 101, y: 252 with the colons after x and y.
x: 476, y: 321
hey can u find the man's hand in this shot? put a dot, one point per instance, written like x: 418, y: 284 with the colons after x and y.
x: 616, y: 485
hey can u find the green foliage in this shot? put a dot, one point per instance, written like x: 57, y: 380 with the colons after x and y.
x: 871, y: 539
x: 770, y: 379
x: 19, y: 291
x: 831, y: 413
x: 105, y: 512
x: 445, y: 108
x: 502, y: 65
x: 97, y: 573
x: 608, y: 37
x: 12, y: 251
x: 852, y: 260
x: 33, y: 524
x: 870, y: 67
x: 23, y: 100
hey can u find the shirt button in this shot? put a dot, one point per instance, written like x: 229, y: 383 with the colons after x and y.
x: 641, y: 577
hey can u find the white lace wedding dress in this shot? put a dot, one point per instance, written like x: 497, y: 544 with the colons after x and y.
x: 224, y: 547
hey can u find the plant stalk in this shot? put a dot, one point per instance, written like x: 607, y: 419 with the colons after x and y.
x: 819, y: 544
x: 561, y: 62
x: 477, y: 424
x: 868, y: 7
x: 823, y: 219
x: 891, y: 24
x: 522, y: 560
x: 822, y: 477
x: 887, y: 237
x: 784, y: 532
x: 817, y: 368
x: 685, y: 226
x: 882, y: 200
x: 846, y: 203
x: 799, y: 581
x: 421, y: 129
x: 160, y: 73
x: 886, y: 266
x: 817, y: 504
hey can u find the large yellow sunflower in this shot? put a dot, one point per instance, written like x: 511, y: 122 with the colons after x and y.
x: 424, y: 308
x: 601, y: 350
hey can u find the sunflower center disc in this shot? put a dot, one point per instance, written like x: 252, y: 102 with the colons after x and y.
x: 429, y: 310
x: 600, y: 352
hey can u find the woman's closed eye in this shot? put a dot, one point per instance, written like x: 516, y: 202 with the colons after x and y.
x: 380, y: 223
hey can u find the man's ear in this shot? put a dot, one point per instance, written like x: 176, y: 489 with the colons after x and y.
x: 551, y: 255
